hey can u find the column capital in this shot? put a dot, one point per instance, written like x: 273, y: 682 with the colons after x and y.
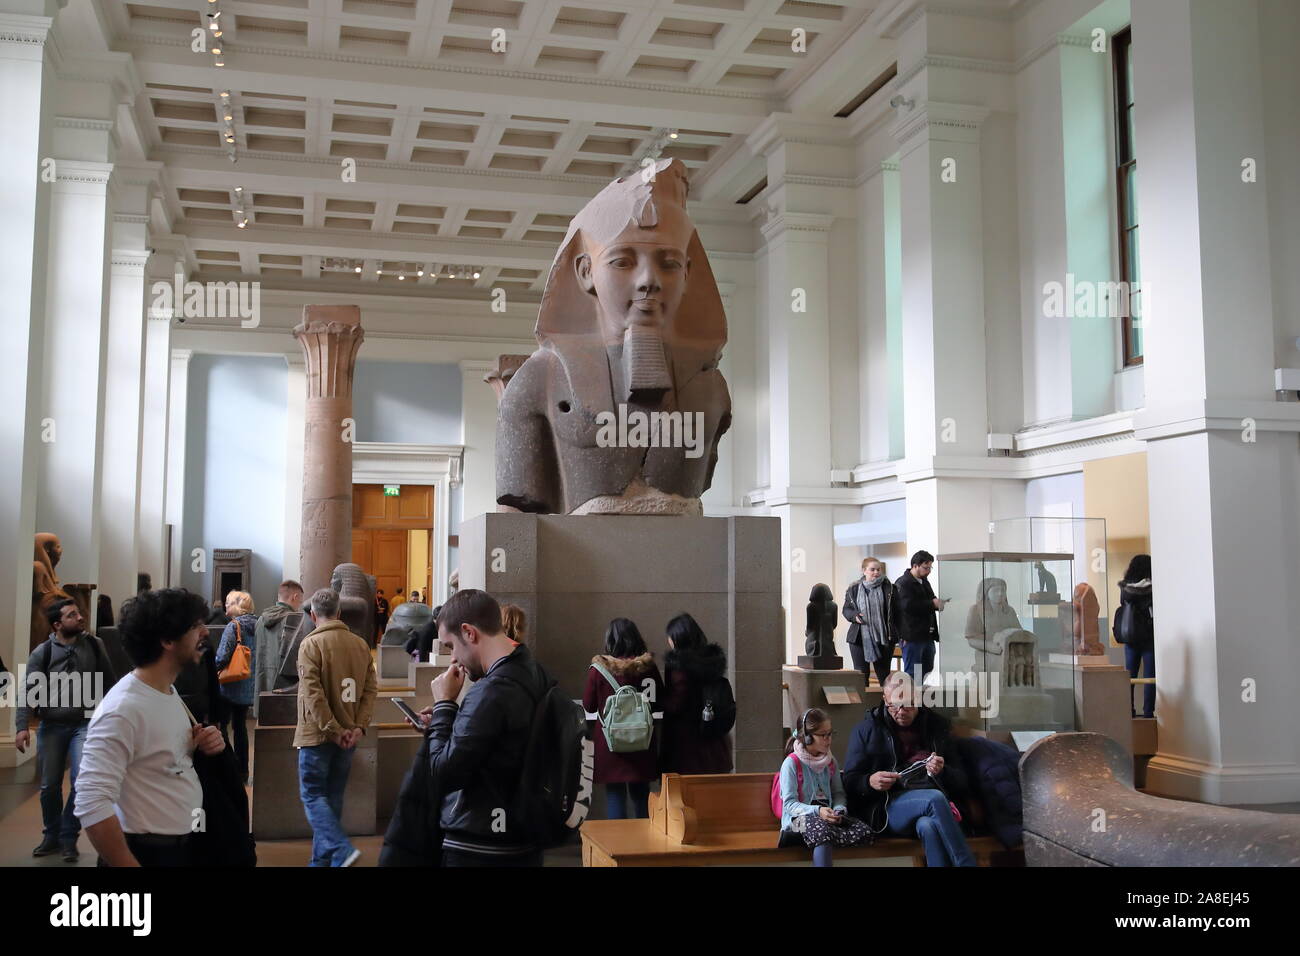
x: 25, y: 31
x: 82, y: 171
x: 330, y: 336
x: 948, y: 122
x: 781, y: 128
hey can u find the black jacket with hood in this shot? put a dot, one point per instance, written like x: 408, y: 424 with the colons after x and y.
x: 685, y: 750
x: 872, y: 748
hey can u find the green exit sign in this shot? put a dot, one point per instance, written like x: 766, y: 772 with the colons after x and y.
x: 392, y: 491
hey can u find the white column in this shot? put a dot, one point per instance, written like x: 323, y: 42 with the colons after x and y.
x: 177, y: 402
x: 800, y: 408
x: 75, y: 344
x: 119, y: 547
x: 26, y: 54
x: 478, y: 415
x: 1222, y: 462
x: 152, y: 527
x: 295, y: 420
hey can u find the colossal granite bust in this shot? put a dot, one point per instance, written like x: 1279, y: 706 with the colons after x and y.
x: 621, y: 408
x: 356, y: 591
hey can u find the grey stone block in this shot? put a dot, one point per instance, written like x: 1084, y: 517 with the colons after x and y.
x: 755, y: 544
x: 277, y: 710
x: 393, y: 661
x: 632, y: 554
x: 277, y: 804
x: 396, y: 750
x: 760, y: 632
x: 758, y: 710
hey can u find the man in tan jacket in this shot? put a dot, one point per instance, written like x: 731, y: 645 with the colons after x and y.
x: 336, y: 698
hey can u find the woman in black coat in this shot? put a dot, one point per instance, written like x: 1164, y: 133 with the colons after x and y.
x: 870, y: 607
x: 691, y: 665
x: 1134, y: 627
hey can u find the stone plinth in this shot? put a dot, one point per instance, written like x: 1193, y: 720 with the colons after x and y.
x: 808, y: 689
x: 397, y: 749
x: 1102, y: 701
x: 277, y: 710
x: 393, y: 661
x: 330, y: 336
x: 277, y: 804
x: 573, y: 574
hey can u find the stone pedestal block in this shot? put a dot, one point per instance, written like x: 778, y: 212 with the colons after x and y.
x: 808, y: 689
x: 572, y: 574
x: 396, y: 750
x: 1102, y: 702
x: 393, y: 662
x: 277, y: 710
x: 277, y: 805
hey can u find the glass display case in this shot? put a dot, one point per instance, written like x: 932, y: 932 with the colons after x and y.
x: 1085, y: 538
x: 1006, y: 637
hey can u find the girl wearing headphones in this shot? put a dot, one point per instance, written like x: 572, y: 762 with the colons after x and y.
x: 813, y: 808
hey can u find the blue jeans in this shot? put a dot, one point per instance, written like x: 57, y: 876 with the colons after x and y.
x: 322, y: 778
x: 918, y: 652
x: 622, y: 797
x: 1136, y: 659
x: 926, y: 812
x: 58, y: 748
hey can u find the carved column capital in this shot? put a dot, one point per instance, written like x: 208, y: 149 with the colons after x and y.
x: 330, y: 336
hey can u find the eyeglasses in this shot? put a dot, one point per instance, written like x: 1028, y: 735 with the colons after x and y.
x: 826, y: 736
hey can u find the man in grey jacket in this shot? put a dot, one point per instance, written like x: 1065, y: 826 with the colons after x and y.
x: 283, y: 618
x: 67, y: 675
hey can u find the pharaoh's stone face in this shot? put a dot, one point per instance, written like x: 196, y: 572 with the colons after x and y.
x: 635, y: 284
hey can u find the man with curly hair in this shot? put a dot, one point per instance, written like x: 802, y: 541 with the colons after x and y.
x: 138, y: 793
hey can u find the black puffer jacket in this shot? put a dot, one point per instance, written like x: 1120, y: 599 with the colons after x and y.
x: 685, y: 749
x: 872, y: 748
x: 1141, y: 632
x: 476, y: 755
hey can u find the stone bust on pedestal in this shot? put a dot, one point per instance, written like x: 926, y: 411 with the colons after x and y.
x: 620, y: 409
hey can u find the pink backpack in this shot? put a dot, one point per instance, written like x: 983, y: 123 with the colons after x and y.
x: 777, y: 803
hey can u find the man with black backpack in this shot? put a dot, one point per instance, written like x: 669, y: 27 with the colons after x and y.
x: 67, y: 675
x: 481, y: 772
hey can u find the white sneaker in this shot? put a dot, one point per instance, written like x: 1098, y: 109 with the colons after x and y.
x: 352, y: 857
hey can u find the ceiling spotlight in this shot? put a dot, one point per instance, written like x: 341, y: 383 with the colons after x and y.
x: 243, y: 223
x: 239, y: 189
x: 401, y: 278
x: 379, y: 272
x: 477, y: 274
x: 216, y: 49
x: 419, y: 272
x: 215, y: 31
x: 672, y: 134
x: 225, y: 94
x: 219, y: 63
x: 357, y: 270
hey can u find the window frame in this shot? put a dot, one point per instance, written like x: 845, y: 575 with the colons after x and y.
x: 1121, y: 45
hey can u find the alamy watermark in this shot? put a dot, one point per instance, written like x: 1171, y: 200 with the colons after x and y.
x: 63, y: 691
x: 960, y: 689
x: 1085, y: 299
x: 634, y: 428
x: 208, y: 300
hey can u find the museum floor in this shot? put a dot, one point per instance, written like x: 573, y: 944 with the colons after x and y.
x: 20, y: 831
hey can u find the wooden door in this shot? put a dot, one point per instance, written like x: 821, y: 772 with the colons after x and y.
x: 388, y: 556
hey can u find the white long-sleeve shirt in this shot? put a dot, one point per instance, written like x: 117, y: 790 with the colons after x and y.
x: 138, y: 762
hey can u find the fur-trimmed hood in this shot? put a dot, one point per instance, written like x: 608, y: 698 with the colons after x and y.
x: 703, y: 663
x: 631, y: 668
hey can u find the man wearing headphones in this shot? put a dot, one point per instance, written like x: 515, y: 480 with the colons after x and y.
x: 899, y: 778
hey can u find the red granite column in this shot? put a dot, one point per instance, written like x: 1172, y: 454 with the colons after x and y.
x: 330, y: 336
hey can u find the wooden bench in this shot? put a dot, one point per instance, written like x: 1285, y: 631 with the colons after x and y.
x: 726, y: 820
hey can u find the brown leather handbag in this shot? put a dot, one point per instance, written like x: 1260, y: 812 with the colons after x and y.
x: 240, y: 665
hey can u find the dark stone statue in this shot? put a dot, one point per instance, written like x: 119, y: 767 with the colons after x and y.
x: 405, y: 622
x: 356, y: 600
x: 620, y: 409
x: 823, y: 615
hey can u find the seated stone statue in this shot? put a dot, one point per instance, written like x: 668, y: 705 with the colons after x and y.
x: 819, y: 635
x: 993, y: 628
x: 46, y: 588
x: 356, y: 600
x: 621, y: 408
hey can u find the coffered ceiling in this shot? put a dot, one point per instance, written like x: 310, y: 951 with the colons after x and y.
x: 476, y: 128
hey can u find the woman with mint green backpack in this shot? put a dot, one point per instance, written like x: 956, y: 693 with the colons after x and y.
x: 626, y: 773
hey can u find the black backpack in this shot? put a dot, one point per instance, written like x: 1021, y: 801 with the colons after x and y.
x: 717, y: 708
x: 1134, y: 624
x: 555, y: 785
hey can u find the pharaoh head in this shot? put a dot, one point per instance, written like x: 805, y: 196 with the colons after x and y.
x: 632, y: 272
